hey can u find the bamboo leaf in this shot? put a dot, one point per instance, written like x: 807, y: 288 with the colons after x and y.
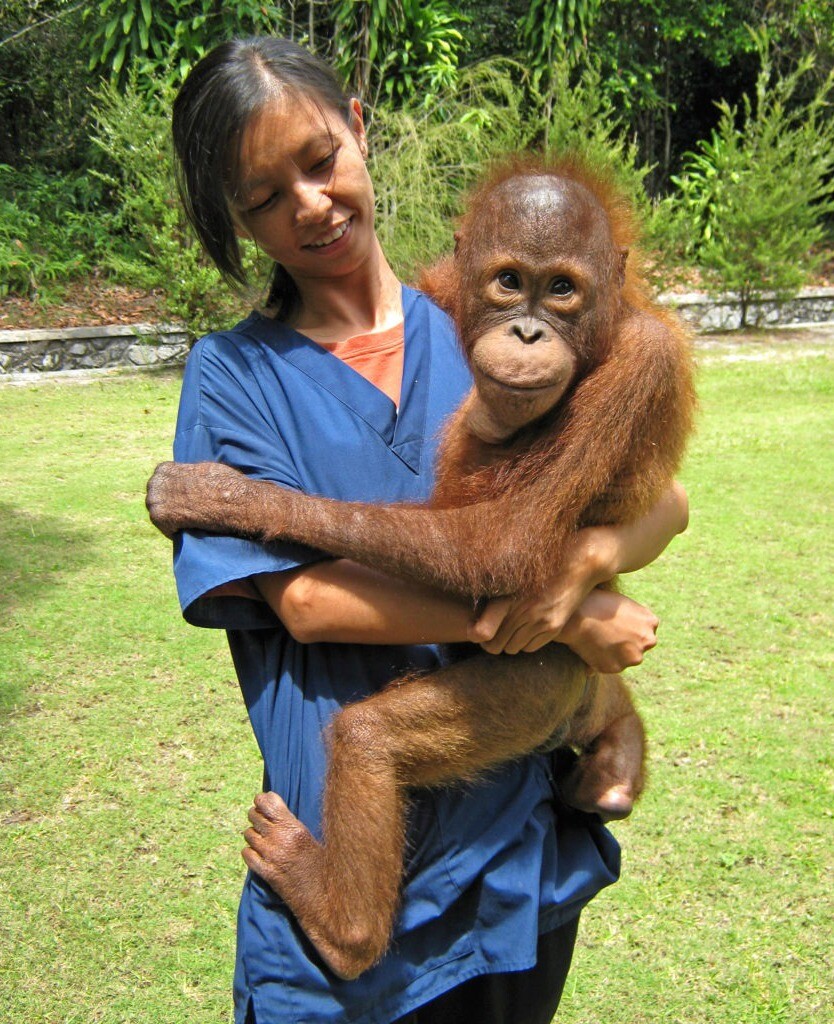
x: 119, y: 59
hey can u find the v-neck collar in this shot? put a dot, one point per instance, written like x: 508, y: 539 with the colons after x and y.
x: 402, y: 430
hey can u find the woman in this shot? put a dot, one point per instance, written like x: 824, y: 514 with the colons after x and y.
x: 339, y: 388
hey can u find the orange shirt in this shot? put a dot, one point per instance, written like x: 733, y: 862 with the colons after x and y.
x: 379, y: 358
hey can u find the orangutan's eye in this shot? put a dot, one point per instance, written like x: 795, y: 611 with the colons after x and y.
x: 509, y: 280
x: 561, y: 286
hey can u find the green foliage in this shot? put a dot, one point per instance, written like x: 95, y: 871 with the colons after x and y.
x: 43, y: 85
x: 753, y: 197
x: 402, y: 51
x: 423, y: 158
x: 166, y: 38
x: 658, y: 57
x: 135, y: 135
x: 799, y: 28
x: 52, y: 228
x: 359, y: 35
x: 584, y: 121
x: 551, y: 31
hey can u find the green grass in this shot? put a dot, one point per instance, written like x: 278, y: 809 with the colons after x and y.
x: 126, y: 763
x: 724, y: 913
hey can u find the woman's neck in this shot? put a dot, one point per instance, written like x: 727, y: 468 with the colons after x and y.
x: 367, y: 300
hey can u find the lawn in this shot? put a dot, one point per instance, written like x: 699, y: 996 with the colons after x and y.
x: 126, y: 763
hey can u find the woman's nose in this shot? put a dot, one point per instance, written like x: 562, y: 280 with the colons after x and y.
x: 312, y: 203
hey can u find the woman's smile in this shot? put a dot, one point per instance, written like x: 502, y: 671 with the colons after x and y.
x: 329, y: 240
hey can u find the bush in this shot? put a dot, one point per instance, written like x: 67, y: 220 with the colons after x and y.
x: 53, y: 228
x: 133, y: 130
x: 44, y: 86
x: 423, y: 158
x: 399, y: 50
x: 579, y: 118
x: 163, y: 39
x: 751, y: 201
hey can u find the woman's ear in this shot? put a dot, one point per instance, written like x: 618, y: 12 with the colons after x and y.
x: 356, y: 124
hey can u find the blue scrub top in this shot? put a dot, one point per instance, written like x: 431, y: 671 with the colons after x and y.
x: 487, y: 869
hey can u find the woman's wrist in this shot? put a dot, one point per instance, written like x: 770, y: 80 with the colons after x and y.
x: 571, y: 632
x: 598, y: 553
x: 610, y: 632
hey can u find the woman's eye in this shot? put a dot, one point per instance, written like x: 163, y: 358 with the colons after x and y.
x: 325, y: 162
x: 509, y: 279
x: 265, y: 205
x: 561, y: 286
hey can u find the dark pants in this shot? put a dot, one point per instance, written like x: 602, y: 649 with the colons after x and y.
x: 517, y: 997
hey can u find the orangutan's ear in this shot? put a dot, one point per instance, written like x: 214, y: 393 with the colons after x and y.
x: 442, y: 282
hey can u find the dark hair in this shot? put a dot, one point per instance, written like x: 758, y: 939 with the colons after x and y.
x: 217, y: 99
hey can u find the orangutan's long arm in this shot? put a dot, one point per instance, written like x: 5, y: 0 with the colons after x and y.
x: 442, y: 548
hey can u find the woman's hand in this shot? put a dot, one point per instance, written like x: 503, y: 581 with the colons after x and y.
x: 610, y: 632
x: 508, y: 625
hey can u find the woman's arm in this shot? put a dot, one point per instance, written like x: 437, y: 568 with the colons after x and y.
x: 341, y: 601
x: 598, y: 553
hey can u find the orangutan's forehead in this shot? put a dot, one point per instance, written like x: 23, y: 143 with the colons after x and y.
x: 539, y: 211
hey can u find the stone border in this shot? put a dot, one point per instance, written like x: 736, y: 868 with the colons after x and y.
x: 131, y: 346
x: 722, y: 313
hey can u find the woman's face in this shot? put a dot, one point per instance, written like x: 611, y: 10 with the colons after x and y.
x: 304, y: 194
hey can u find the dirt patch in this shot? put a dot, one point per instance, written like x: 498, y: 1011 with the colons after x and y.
x: 795, y: 336
x: 774, y: 343
x: 85, y: 303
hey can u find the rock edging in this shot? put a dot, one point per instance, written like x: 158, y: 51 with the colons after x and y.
x: 705, y: 313
x: 131, y: 346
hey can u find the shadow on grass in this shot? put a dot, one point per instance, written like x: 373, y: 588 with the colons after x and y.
x: 36, y: 554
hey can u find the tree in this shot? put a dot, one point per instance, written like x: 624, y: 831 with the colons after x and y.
x: 657, y: 55
x: 753, y: 197
x: 396, y: 50
x: 553, y: 33
x: 43, y: 84
x: 168, y: 36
